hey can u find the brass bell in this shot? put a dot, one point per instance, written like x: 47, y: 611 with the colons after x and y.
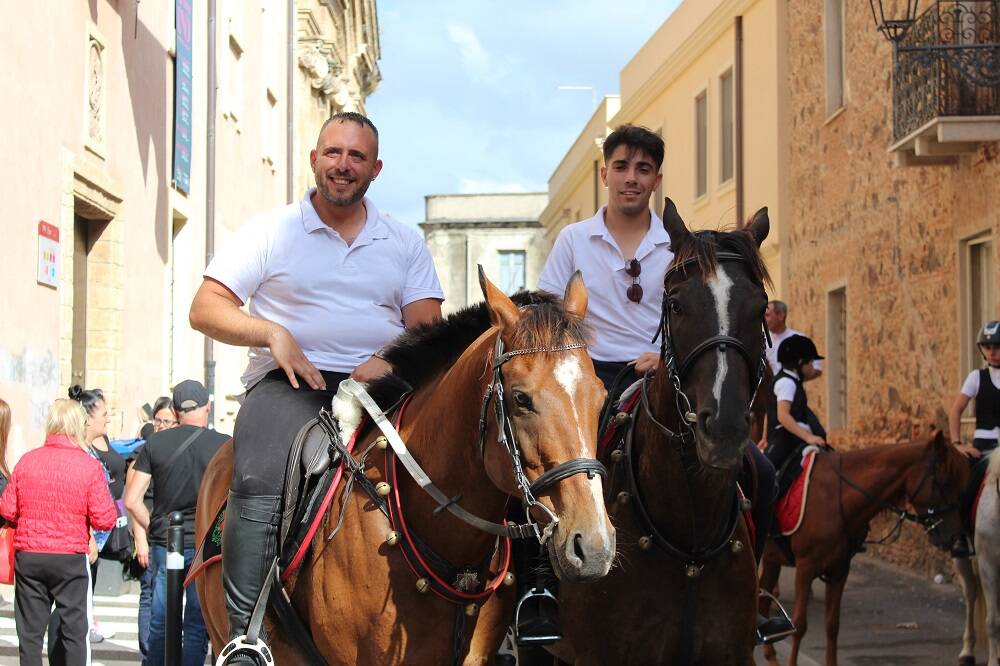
x: 692, y: 571
x: 623, y: 497
x: 690, y: 417
x: 737, y: 546
x: 617, y: 455
x: 392, y: 538
x: 423, y: 585
x: 621, y: 418
x: 508, y: 579
x: 645, y: 542
x: 382, y: 442
x: 471, y: 610
x: 383, y: 489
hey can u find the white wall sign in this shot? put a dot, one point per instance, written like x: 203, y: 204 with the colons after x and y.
x: 48, y: 254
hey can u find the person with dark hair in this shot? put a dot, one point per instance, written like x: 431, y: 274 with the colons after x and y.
x: 56, y: 496
x: 5, y: 425
x: 331, y: 281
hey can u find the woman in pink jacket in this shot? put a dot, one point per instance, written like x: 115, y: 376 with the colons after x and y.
x: 56, y: 495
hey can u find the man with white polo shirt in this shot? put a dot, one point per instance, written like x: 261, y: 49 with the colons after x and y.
x: 329, y: 281
x: 775, y: 316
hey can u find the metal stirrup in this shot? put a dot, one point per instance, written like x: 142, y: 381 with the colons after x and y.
x: 240, y: 646
x: 251, y: 643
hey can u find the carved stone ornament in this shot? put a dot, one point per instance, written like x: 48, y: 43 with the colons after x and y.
x: 95, y: 92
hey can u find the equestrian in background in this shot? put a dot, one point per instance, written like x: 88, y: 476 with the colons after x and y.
x: 792, y: 425
x: 329, y: 281
x: 983, y: 386
x: 621, y: 247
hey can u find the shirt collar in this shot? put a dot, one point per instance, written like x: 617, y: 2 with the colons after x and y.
x: 656, y: 236
x: 61, y: 439
x: 374, y: 226
x: 793, y: 373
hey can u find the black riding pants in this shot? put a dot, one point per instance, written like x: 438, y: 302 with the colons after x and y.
x: 270, y: 417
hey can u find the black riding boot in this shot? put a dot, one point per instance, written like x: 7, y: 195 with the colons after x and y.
x: 249, y: 546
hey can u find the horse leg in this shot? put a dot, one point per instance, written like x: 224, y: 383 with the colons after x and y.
x: 970, y: 590
x: 803, y: 582
x: 834, y: 595
x: 988, y: 577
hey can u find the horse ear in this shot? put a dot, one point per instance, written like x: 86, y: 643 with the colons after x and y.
x: 674, y: 225
x: 575, y: 298
x: 938, y: 440
x: 760, y: 225
x: 503, y: 313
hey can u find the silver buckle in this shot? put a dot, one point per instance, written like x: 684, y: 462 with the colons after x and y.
x: 239, y: 645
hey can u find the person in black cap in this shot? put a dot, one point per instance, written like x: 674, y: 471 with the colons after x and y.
x: 174, y: 460
x: 791, y: 424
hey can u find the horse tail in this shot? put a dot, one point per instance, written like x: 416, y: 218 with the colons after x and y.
x: 993, y: 470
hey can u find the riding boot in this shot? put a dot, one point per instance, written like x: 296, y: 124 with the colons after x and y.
x: 249, y: 546
x: 536, y: 621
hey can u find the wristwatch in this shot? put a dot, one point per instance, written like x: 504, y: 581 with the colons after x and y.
x: 378, y: 353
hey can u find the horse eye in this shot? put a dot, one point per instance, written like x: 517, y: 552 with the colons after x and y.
x: 522, y: 399
x: 675, y: 307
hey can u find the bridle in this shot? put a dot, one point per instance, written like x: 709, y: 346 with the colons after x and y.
x: 506, y: 438
x: 677, y: 369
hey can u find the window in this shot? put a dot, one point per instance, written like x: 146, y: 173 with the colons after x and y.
x: 726, y: 126
x: 834, y: 45
x: 512, y: 271
x: 978, y: 279
x: 701, y: 144
x: 836, y: 358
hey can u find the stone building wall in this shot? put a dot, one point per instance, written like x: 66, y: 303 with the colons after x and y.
x: 889, y: 235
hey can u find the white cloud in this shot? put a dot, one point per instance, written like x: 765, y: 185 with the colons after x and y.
x: 485, y: 185
x: 475, y: 60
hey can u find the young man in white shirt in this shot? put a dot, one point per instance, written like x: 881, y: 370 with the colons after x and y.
x: 331, y: 282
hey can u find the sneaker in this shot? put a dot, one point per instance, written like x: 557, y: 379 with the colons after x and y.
x: 95, y: 636
x: 102, y: 631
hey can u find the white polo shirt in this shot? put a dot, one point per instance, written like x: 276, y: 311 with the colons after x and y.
x: 776, y: 340
x: 622, y: 329
x: 339, y: 302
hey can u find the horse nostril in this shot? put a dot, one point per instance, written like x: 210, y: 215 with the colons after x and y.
x: 578, y: 547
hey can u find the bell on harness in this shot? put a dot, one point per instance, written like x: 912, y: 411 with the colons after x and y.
x: 536, y: 621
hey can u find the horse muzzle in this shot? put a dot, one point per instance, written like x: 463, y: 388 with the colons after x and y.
x: 720, y: 442
x: 582, y: 556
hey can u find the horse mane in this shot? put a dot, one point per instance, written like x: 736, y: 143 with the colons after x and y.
x: 423, y: 352
x: 702, y: 246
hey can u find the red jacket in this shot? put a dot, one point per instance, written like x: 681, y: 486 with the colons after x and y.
x: 55, y: 494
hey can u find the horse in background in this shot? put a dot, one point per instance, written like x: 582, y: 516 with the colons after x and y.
x: 357, y: 594
x: 987, y: 540
x: 846, y: 491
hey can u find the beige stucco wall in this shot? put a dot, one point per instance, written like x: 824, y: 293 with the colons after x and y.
x: 141, y: 277
x: 464, y: 231
x: 684, y: 57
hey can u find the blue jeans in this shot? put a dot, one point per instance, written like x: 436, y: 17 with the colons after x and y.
x: 146, y: 605
x: 195, y: 638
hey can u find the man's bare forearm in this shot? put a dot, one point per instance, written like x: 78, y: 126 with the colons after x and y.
x: 221, y: 319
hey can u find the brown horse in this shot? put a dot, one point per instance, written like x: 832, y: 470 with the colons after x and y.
x: 357, y: 594
x: 846, y: 491
x: 685, y: 590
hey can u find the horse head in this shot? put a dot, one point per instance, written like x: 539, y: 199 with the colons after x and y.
x: 545, y: 382
x: 934, y: 490
x: 712, y: 328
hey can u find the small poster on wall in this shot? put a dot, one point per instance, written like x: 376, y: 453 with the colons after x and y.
x: 48, y: 254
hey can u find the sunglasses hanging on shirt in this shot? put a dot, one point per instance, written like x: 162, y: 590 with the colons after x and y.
x: 634, y: 292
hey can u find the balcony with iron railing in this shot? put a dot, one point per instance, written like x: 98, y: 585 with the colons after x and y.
x: 946, y: 82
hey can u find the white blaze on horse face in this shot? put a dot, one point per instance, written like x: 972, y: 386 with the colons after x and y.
x: 568, y: 374
x: 720, y: 284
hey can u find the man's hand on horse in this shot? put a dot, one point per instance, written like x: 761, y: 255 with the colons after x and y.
x: 371, y: 369
x: 289, y: 357
x: 969, y: 451
x: 646, y: 361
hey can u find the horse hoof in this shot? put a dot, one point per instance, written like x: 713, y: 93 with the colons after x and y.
x: 967, y: 661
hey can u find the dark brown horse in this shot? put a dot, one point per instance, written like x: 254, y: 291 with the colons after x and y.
x: 846, y: 491
x: 358, y: 597
x: 685, y: 589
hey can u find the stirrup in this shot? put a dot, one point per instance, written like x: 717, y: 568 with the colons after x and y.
x: 766, y: 638
x: 540, y: 596
x: 240, y: 646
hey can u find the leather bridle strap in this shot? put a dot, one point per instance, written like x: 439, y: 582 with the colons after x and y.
x: 588, y: 466
x: 720, y: 341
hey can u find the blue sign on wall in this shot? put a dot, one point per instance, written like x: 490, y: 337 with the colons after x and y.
x: 182, y: 96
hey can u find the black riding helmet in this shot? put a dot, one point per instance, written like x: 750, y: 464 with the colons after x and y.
x: 990, y: 335
x: 796, y: 350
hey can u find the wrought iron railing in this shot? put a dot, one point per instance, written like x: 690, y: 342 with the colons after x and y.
x: 947, y: 64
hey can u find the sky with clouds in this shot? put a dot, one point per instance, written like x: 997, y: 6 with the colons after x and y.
x: 469, y: 98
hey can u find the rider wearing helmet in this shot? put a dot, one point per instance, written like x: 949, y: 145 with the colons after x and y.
x: 983, y: 386
x: 791, y: 424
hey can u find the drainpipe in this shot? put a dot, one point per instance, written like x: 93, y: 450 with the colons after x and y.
x: 210, y: 191
x: 289, y: 107
x: 738, y: 120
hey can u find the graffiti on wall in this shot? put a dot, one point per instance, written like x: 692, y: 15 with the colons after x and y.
x: 38, y: 372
